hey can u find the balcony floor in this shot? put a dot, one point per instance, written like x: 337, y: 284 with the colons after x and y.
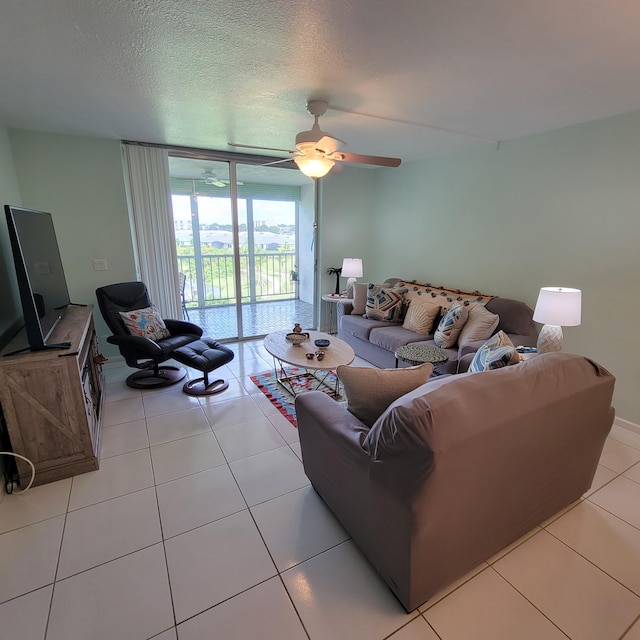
x: 258, y: 318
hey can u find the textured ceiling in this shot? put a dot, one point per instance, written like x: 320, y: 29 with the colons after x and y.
x: 201, y: 73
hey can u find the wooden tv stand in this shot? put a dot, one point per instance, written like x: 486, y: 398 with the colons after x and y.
x: 52, y: 401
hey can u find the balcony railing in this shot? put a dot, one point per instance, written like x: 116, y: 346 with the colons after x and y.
x: 264, y: 276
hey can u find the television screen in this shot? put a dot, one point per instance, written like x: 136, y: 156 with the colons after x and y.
x: 41, y: 280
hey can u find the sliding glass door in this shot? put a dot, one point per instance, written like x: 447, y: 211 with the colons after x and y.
x: 247, y: 272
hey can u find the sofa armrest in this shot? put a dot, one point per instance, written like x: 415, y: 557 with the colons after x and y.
x: 344, y: 307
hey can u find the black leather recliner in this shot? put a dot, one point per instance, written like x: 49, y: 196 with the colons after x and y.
x: 141, y: 352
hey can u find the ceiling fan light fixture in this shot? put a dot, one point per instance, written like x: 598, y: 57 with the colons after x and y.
x: 314, y: 167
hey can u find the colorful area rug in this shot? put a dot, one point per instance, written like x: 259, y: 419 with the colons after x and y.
x: 283, y: 399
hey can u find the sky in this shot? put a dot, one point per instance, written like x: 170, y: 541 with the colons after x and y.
x: 218, y: 210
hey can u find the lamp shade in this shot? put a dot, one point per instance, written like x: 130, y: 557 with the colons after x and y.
x: 559, y: 306
x: 314, y: 167
x: 352, y: 268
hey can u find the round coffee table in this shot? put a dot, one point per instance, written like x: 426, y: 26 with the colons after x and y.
x: 417, y: 353
x: 337, y: 353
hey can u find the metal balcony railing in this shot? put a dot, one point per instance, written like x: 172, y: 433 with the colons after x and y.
x: 210, y: 279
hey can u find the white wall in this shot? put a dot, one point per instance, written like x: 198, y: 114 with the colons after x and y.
x: 561, y: 208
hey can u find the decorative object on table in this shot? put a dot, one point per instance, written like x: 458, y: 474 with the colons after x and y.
x: 283, y: 399
x: 320, y: 354
x: 321, y: 343
x: 335, y: 271
x: 310, y: 356
x: 297, y: 339
x: 351, y: 269
x: 556, y: 307
x: 297, y: 328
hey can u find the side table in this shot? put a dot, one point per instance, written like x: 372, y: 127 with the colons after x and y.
x: 417, y: 353
x: 332, y: 299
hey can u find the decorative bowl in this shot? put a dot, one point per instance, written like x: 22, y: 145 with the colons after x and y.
x: 322, y: 343
x: 297, y: 338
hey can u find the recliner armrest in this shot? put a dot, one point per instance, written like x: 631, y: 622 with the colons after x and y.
x: 180, y: 327
x: 148, y: 347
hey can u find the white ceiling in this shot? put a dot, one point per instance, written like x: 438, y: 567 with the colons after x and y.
x: 200, y: 73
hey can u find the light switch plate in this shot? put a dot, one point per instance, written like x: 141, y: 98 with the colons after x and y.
x: 99, y: 265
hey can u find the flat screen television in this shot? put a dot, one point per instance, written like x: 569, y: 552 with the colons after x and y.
x: 41, y: 281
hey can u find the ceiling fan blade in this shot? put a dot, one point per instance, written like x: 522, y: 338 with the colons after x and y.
x: 268, y: 164
x: 328, y: 144
x: 358, y: 158
x: 250, y: 146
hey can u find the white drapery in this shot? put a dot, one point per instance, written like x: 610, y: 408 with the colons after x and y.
x: 149, y: 194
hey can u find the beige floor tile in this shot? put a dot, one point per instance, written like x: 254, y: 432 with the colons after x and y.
x: 621, y: 497
x: 37, y: 504
x: 235, y: 390
x: 627, y: 436
x: 297, y: 526
x: 263, y: 612
x: 215, y: 562
x: 339, y: 595
x: 230, y: 412
x: 198, y: 499
x: 122, y: 411
x: 90, y: 537
x: 26, y: 616
x: 633, y: 473
x: 601, y: 477
x: 167, y: 401
x: 417, y: 629
x: 284, y: 427
x: 28, y: 557
x: 117, y: 476
x: 180, y: 424
x: 575, y: 595
x: 269, y: 475
x: 183, y: 457
x: 116, y: 391
x: 608, y: 542
x: 488, y: 608
x: 248, y: 438
x: 123, y: 438
x: 634, y: 631
x: 618, y: 456
x: 125, y: 598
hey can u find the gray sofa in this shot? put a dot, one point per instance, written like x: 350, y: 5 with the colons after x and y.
x: 376, y: 341
x: 459, y: 468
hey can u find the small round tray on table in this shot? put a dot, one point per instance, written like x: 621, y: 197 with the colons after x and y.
x: 417, y: 353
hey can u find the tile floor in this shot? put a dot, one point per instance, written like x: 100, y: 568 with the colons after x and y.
x: 201, y: 524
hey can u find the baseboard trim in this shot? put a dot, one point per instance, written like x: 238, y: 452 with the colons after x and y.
x: 626, y: 424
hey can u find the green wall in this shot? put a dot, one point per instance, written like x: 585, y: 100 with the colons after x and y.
x: 556, y: 209
x: 80, y: 181
x: 10, y: 310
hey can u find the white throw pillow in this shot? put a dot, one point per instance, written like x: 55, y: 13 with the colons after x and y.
x: 479, y: 325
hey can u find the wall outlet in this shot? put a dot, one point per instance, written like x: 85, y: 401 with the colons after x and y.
x: 99, y: 265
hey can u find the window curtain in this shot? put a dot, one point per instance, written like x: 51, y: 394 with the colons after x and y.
x: 149, y: 195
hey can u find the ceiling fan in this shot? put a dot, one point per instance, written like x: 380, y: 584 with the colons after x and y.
x: 317, y: 152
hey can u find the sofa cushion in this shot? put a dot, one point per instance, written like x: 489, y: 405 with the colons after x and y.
x: 145, y: 323
x: 479, y: 325
x: 370, y: 391
x: 359, y: 326
x: 383, y: 303
x: 448, y: 330
x: 420, y: 316
x: 390, y: 337
x: 488, y: 358
x: 359, y: 298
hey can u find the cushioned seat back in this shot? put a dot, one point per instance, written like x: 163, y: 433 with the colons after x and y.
x: 124, y: 296
x: 516, y: 317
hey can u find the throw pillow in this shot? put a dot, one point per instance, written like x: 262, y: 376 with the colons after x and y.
x: 146, y: 323
x: 370, y: 391
x: 383, y: 303
x: 359, y: 299
x: 479, y: 326
x: 450, y: 326
x: 500, y: 339
x: 420, y: 316
x: 488, y: 358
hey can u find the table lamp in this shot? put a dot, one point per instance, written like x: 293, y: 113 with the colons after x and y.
x: 556, y: 307
x: 351, y: 269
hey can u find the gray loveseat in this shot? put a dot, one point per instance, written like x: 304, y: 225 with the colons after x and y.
x: 376, y: 340
x: 457, y: 469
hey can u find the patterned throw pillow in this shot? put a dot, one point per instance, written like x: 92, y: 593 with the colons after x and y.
x: 500, y: 339
x: 146, y: 323
x: 450, y: 326
x: 488, y: 358
x: 383, y: 303
x: 420, y: 317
